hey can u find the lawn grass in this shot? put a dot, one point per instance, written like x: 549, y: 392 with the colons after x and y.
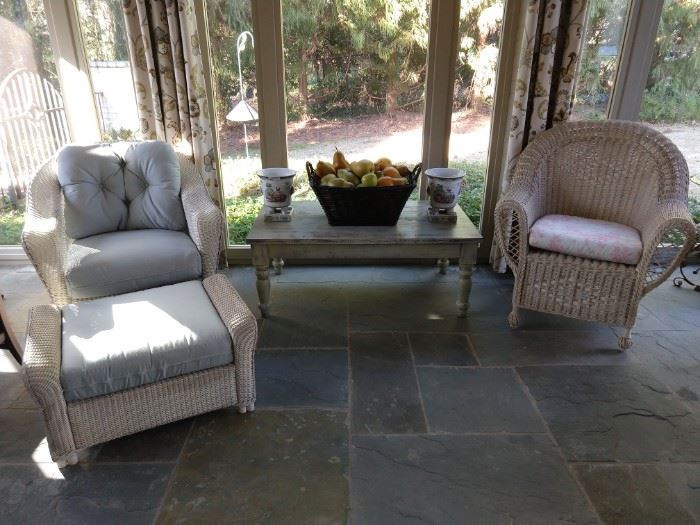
x: 11, y: 222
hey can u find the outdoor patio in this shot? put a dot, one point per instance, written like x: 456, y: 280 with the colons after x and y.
x: 376, y: 404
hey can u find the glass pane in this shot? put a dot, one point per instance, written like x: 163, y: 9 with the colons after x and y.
x: 233, y: 62
x: 475, y: 80
x: 107, y: 53
x: 355, y: 75
x: 671, y: 101
x: 605, y: 25
x: 32, y: 121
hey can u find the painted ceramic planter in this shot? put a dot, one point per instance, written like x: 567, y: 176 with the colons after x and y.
x: 444, y: 185
x: 276, y: 185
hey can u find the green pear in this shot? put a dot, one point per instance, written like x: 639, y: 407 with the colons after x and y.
x: 325, y: 181
x: 348, y: 176
x: 369, y: 180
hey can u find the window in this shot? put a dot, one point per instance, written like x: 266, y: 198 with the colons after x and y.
x: 475, y: 81
x: 605, y: 25
x: 355, y: 80
x: 106, y: 50
x: 671, y: 100
x: 32, y: 119
x: 233, y: 64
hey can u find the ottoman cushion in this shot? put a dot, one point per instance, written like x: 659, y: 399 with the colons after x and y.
x: 125, y: 261
x: 115, y: 343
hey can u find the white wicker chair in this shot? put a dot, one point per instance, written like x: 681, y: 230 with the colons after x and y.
x: 46, y: 243
x: 620, y: 172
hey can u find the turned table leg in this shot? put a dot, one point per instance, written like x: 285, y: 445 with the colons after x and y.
x: 443, y: 264
x: 465, y: 288
x: 262, y: 275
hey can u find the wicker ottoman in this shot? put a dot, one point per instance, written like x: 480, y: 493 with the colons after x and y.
x: 114, y: 366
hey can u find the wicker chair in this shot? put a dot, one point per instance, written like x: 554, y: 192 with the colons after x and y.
x: 621, y: 172
x: 46, y: 242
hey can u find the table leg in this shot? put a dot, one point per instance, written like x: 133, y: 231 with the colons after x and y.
x: 465, y: 287
x: 262, y: 282
x: 443, y: 264
x: 278, y: 264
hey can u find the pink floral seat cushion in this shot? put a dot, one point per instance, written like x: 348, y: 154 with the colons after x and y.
x: 588, y: 238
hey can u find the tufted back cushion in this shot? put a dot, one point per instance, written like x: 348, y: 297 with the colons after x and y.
x: 120, y: 186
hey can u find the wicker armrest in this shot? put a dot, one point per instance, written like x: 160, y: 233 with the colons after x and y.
x: 667, y: 237
x: 243, y: 327
x: 515, y: 212
x: 41, y: 370
x: 43, y: 236
x: 205, y: 222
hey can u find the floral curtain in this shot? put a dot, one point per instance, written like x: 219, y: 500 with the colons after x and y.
x: 544, y: 86
x: 169, y: 80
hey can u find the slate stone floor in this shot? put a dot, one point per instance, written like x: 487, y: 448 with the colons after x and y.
x: 377, y: 405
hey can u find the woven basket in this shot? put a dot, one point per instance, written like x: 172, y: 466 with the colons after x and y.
x: 362, y: 206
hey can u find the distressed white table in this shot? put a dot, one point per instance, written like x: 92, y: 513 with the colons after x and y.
x: 309, y: 236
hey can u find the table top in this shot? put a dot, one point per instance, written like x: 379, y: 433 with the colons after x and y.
x: 310, y: 226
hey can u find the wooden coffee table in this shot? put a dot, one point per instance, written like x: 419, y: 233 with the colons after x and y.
x: 309, y: 236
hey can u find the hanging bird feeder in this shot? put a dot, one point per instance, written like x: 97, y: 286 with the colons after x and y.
x: 243, y: 112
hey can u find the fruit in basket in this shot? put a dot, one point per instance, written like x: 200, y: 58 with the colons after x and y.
x: 391, y: 171
x: 381, y: 164
x: 362, y: 167
x: 369, y: 180
x: 400, y: 181
x: 338, y: 183
x: 326, y: 179
x: 324, y: 168
x: 339, y: 161
x: 348, y: 176
x: 385, y: 181
x: 403, y: 170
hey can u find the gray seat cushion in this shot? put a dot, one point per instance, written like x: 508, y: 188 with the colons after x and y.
x: 120, y: 186
x: 115, y: 343
x: 126, y: 261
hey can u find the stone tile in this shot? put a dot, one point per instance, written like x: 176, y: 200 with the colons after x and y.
x: 441, y: 349
x: 305, y: 316
x: 526, y: 347
x: 316, y: 378
x: 488, y: 400
x: 613, y: 413
x: 243, y: 280
x: 26, y: 442
x: 11, y: 384
x: 684, y: 482
x: 462, y: 479
x: 161, y: 444
x: 676, y: 308
x: 265, y: 467
x: 384, y: 389
x: 105, y: 494
x: 631, y: 494
x: 383, y: 307
x: 674, y: 358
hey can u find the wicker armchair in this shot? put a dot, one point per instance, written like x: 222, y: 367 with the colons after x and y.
x: 46, y: 242
x: 621, y: 172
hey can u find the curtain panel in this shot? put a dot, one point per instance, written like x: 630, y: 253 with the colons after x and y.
x: 166, y: 64
x: 551, y: 40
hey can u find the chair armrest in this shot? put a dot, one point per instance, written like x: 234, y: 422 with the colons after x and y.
x: 43, y: 236
x: 41, y: 370
x: 243, y: 327
x: 668, y: 235
x: 205, y: 222
x: 519, y: 208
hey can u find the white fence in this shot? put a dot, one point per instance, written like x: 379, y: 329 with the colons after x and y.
x: 32, y: 128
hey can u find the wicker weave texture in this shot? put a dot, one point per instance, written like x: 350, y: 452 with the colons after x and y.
x: 617, y: 171
x: 95, y: 420
x: 44, y: 236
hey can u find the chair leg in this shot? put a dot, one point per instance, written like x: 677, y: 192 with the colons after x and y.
x: 68, y: 459
x: 514, y: 318
x: 625, y: 341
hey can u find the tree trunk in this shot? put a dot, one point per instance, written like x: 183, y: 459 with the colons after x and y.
x: 392, y: 98
x: 303, y: 79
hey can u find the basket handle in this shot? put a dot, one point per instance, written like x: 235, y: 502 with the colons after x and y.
x: 415, y: 173
x: 311, y: 173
